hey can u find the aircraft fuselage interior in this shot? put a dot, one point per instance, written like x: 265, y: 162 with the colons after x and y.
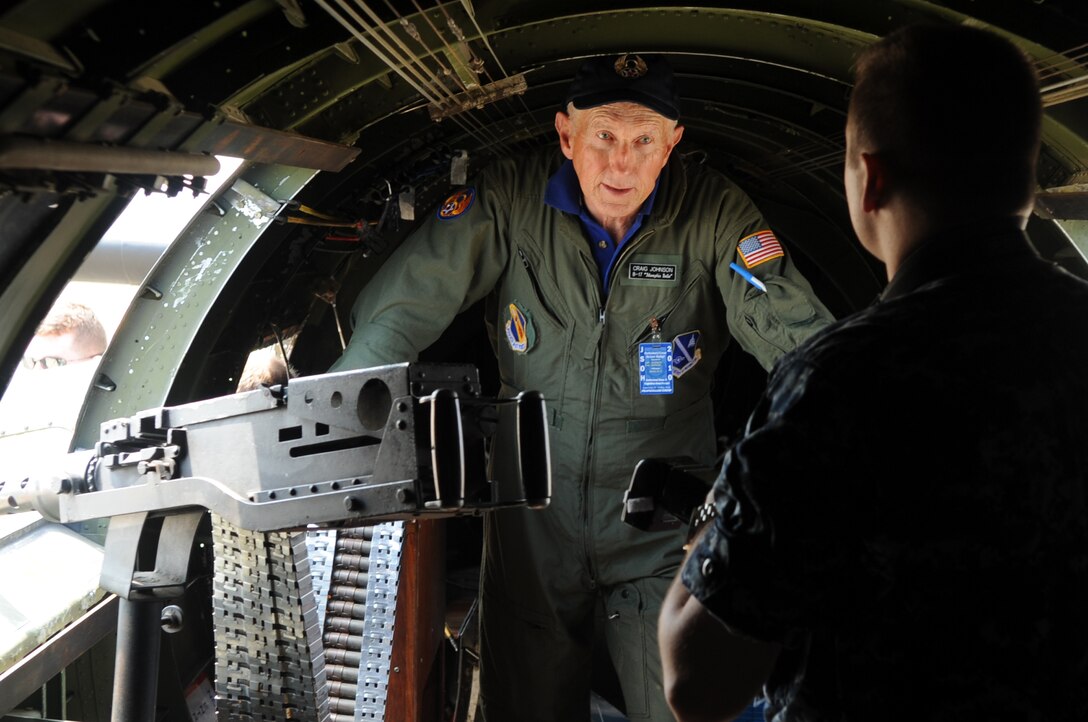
x: 333, y: 129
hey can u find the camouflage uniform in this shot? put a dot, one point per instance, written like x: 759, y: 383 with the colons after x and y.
x: 907, y: 511
x: 548, y: 574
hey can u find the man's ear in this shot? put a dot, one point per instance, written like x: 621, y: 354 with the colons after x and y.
x: 677, y: 134
x: 874, y: 193
x: 563, y: 128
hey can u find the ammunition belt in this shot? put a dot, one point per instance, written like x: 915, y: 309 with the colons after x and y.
x: 273, y: 592
x: 269, y: 661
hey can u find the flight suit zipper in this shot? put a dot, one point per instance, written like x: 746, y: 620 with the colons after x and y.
x: 587, y: 459
x: 596, y: 403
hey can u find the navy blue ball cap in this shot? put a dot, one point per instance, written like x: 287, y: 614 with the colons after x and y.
x: 643, y: 79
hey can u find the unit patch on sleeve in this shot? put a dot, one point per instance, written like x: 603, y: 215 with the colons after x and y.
x: 685, y: 353
x: 520, y: 333
x: 760, y: 247
x: 457, y: 203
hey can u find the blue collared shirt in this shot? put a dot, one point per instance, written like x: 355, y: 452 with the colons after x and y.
x: 565, y: 194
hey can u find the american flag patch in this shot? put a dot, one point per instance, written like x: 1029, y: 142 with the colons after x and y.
x: 758, y: 248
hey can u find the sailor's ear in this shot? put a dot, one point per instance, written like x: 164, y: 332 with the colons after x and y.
x: 875, y: 182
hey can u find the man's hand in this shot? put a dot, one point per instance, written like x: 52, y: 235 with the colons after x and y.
x: 710, y: 674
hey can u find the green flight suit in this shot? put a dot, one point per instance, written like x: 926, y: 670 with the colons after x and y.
x: 549, y: 576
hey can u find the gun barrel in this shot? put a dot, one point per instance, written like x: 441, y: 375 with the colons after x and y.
x: 41, y: 491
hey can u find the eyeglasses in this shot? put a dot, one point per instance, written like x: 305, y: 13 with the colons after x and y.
x: 45, y: 362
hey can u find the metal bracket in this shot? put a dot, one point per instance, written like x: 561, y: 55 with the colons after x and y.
x: 478, y: 97
x: 174, y: 548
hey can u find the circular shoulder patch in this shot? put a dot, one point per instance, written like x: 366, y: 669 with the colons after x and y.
x: 457, y: 203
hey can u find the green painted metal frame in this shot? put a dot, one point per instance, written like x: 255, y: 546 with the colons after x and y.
x: 765, y: 37
x: 821, y: 44
x: 156, y: 333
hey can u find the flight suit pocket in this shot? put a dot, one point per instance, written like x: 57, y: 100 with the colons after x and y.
x: 642, y: 331
x: 628, y: 636
x: 535, y: 281
x: 682, y: 316
x: 532, y: 331
x: 686, y: 432
x: 783, y: 317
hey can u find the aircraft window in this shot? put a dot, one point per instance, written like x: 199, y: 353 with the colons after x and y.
x: 41, y: 405
x: 1078, y: 235
x: 40, y: 408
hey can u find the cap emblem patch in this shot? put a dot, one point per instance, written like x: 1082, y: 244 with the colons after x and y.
x: 630, y: 67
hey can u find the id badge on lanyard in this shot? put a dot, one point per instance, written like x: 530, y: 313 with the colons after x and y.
x: 655, y: 364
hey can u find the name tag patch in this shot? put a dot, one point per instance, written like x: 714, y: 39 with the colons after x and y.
x: 651, y: 272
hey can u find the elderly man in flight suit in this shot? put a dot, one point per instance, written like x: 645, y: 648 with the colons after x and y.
x: 615, y: 276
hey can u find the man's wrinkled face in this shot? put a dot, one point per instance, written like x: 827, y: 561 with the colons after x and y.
x: 618, y: 151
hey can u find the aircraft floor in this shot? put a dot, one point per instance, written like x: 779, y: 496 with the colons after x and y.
x: 602, y: 711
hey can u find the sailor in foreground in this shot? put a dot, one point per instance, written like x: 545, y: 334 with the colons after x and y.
x: 902, y: 532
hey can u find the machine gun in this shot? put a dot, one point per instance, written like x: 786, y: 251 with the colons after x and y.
x: 328, y: 451
x: 339, y: 448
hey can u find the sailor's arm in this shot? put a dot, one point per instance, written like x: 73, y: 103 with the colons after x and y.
x: 710, y: 673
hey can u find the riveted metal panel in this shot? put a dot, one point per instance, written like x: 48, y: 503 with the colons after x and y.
x: 158, y: 329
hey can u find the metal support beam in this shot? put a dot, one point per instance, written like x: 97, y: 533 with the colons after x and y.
x: 47, y: 154
x: 29, y: 674
x: 136, y: 674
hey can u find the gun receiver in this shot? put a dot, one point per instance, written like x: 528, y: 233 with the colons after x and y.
x: 391, y: 442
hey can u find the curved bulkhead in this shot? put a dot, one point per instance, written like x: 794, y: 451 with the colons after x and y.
x: 354, y: 119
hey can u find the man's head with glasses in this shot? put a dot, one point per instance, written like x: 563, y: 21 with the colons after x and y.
x: 70, y: 334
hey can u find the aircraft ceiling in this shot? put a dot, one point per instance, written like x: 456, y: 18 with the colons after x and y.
x: 333, y: 103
